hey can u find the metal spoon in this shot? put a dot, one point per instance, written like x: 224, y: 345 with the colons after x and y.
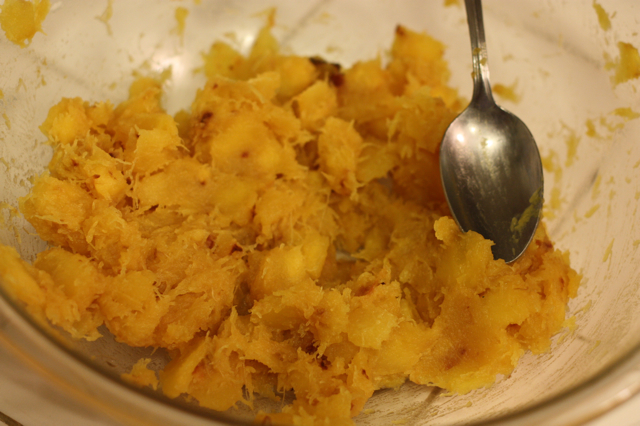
x: 489, y: 163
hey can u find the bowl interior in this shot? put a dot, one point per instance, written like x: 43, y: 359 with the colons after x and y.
x: 552, y: 55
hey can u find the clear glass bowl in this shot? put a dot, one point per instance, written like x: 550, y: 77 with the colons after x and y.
x: 554, y: 56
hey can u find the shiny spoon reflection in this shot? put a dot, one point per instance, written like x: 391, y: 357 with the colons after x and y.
x: 489, y: 163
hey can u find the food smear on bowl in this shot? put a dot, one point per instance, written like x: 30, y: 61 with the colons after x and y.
x: 626, y: 66
x: 106, y: 16
x: 603, y: 17
x: 287, y: 234
x: 21, y: 19
x: 507, y: 93
x: 181, y: 14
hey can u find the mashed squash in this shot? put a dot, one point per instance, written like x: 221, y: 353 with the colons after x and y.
x: 288, y: 234
x: 22, y: 19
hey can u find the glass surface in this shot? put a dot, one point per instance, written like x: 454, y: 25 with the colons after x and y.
x: 553, y: 54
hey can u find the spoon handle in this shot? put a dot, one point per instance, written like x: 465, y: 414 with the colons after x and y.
x: 481, y: 85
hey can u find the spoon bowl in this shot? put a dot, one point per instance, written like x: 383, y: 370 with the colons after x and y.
x: 490, y: 164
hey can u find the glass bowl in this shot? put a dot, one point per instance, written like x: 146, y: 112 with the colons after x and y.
x: 557, y: 58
